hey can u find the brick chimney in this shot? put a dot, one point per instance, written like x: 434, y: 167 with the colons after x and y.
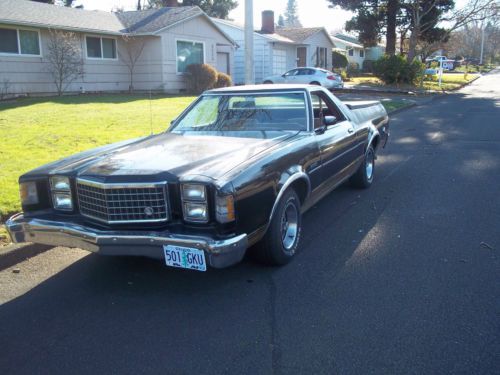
x: 267, y: 22
x: 171, y: 3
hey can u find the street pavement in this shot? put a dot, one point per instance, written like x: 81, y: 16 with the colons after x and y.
x: 403, y: 278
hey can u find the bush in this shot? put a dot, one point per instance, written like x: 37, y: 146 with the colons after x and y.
x: 395, y: 69
x: 223, y: 80
x: 352, y: 69
x: 368, y: 66
x: 200, y: 77
x: 339, y: 60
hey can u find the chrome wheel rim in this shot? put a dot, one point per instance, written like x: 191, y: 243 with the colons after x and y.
x: 289, y: 225
x: 369, y: 165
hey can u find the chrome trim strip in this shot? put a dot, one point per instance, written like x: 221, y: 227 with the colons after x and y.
x: 342, y: 154
x: 118, y: 185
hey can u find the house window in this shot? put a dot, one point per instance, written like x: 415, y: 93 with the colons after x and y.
x: 321, y: 57
x: 351, y: 52
x: 101, y: 48
x: 189, y: 53
x: 361, y: 53
x: 20, y: 42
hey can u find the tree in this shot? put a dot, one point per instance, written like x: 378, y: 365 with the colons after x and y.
x: 132, y: 51
x: 281, y: 21
x: 64, y: 55
x: 214, y: 8
x: 425, y: 15
x: 291, y: 16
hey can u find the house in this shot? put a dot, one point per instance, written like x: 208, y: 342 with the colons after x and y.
x: 277, y: 50
x: 170, y: 38
x: 355, y: 51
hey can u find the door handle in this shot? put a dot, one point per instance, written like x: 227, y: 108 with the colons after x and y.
x: 350, y: 130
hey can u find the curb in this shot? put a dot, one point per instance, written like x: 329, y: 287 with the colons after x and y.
x: 13, y: 254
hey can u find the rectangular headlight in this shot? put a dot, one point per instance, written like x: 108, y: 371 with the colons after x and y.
x: 196, y: 212
x: 59, y: 183
x: 224, y: 209
x: 28, y: 192
x: 194, y: 192
x: 62, y: 201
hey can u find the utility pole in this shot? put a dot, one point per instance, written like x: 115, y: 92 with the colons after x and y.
x: 249, y: 72
x: 482, y: 43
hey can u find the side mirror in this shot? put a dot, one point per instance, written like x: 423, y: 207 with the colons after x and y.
x: 329, y: 120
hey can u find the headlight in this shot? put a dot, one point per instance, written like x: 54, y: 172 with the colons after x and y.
x: 194, y: 192
x: 61, y: 193
x: 62, y: 201
x: 28, y: 192
x: 60, y: 183
x: 224, y: 209
x: 195, y: 212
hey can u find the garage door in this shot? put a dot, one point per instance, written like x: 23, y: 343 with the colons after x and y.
x: 279, y: 61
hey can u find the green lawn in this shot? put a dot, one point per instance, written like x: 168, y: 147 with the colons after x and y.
x: 393, y: 104
x: 450, y: 81
x: 37, y: 131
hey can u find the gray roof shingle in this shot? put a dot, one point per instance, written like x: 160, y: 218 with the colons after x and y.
x: 151, y: 20
x: 23, y: 12
x: 298, y: 34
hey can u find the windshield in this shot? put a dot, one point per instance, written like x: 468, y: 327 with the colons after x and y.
x: 245, y: 112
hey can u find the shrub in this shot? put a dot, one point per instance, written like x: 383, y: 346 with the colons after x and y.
x: 396, y: 69
x: 352, y: 69
x: 368, y: 66
x: 200, y: 77
x: 339, y: 60
x: 223, y: 80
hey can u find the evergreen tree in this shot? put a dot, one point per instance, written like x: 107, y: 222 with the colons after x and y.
x: 291, y: 14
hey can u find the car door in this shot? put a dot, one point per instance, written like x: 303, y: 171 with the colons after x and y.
x: 337, y: 142
x: 291, y: 76
x: 303, y: 76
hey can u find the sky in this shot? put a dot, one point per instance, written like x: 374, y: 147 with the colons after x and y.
x: 312, y: 13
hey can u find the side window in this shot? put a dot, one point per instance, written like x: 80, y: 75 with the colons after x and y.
x: 323, y: 106
x: 291, y: 73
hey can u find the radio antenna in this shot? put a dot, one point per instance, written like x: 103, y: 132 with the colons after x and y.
x: 150, y: 113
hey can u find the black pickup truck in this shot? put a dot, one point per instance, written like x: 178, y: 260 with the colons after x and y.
x: 237, y: 168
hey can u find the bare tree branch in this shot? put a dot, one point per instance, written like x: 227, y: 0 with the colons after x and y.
x: 132, y: 51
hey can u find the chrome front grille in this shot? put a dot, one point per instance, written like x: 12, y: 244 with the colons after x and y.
x: 123, y: 203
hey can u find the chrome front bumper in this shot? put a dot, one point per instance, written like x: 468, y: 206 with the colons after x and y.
x: 220, y: 253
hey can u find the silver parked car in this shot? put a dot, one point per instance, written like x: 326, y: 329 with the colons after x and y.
x: 313, y: 76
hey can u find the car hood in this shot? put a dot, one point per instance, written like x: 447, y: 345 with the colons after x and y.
x: 171, y: 154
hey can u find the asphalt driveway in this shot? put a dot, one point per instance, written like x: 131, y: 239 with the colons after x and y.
x: 400, y: 279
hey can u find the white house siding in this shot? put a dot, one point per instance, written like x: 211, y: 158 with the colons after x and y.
x: 198, y: 30
x: 318, y: 40
x: 261, y: 52
x: 28, y: 75
x: 356, y: 58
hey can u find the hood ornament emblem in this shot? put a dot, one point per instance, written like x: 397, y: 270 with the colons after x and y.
x: 149, y: 211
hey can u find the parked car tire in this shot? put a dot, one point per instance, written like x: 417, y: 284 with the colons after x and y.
x: 363, y: 178
x: 282, y: 238
x: 268, y: 82
x: 315, y: 83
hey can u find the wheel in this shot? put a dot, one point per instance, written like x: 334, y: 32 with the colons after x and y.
x: 268, y: 82
x: 281, y: 241
x: 315, y: 83
x: 363, y: 177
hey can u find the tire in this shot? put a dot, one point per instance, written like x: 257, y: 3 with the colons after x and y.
x: 268, y: 82
x: 281, y: 241
x: 315, y: 83
x: 363, y: 178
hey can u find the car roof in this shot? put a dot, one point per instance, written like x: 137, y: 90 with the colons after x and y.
x: 263, y: 87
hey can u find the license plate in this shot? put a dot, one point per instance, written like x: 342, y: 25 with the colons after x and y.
x: 184, y: 257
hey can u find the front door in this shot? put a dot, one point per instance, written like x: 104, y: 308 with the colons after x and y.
x: 223, y: 62
x: 301, y: 56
